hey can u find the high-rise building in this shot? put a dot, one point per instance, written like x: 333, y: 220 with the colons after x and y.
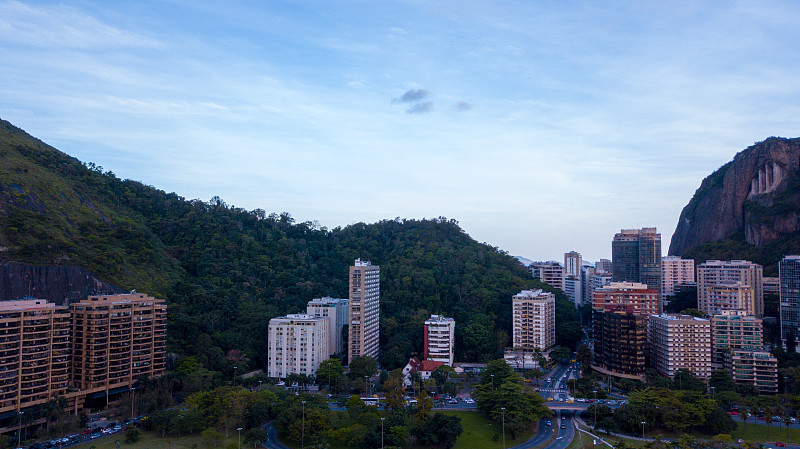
x: 758, y: 369
x: 675, y: 271
x: 729, y: 285
x: 572, y: 263
x: 534, y: 319
x: 587, y: 289
x: 364, y: 311
x: 734, y: 329
x: 772, y: 285
x: 680, y: 342
x: 335, y: 309
x: 551, y: 273
x: 604, y: 265
x: 34, y: 353
x: 636, y: 257
x: 789, y: 269
x: 117, y: 339
x: 573, y: 288
x: 439, y: 338
x: 630, y: 296
x: 297, y: 344
x: 620, y: 342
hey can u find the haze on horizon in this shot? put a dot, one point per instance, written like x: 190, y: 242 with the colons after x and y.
x: 542, y: 127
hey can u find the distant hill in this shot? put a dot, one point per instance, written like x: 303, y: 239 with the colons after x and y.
x: 68, y: 229
x: 747, y: 209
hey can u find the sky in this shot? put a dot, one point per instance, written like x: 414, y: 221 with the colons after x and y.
x: 541, y: 126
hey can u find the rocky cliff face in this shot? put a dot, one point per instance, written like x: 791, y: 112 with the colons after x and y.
x: 758, y: 193
x: 60, y: 284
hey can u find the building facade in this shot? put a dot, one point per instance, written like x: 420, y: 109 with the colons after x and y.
x: 336, y: 310
x: 680, y: 342
x: 439, y: 339
x: 364, y: 312
x: 620, y: 342
x: 631, y: 296
x: 34, y: 353
x: 551, y: 273
x: 534, y: 320
x: 715, y: 286
x: 675, y: 271
x: 789, y: 269
x: 116, y: 340
x: 734, y: 330
x: 636, y: 257
x: 758, y: 369
x: 297, y: 344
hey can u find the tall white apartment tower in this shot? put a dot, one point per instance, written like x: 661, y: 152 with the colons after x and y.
x: 534, y: 319
x: 364, y: 314
x: 680, y: 342
x: 726, y: 285
x: 675, y: 271
x: 297, y: 344
x: 439, y: 339
x: 336, y: 310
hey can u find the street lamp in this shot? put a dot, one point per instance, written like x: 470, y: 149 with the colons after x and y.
x: 382, y: 419
x: 233, y: 377
x: 239, y: 431
x: 642, y: 429
x: 19, y: 431
x: 259, y: 385
x: 713, y: 397
x: 595, y: 408
x: 492, y: 376
x: 180, y: 418
x: 133, y: 389
x: 503, y: 409
x: 303, y: 430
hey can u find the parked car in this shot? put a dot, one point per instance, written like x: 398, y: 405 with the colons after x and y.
x: 469, y: 401
x: 780, y: 444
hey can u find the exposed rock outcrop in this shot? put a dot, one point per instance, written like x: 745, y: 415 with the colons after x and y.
x: 758, y: 193
x: 59, y: 284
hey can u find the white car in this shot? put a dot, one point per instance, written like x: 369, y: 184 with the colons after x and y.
x: 469, y: 401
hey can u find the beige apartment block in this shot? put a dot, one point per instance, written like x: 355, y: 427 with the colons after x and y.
x: 34, y: 353
x: 117, y: 339
x: 364, y: 314
x: 632, y: 297
x: 297, y: 344
x: 534, y: 319
x: 680, y: 342
x: 675, y: 271
x: 758, y: 369
x: 734, y: 329
x: 730, y: 285
x: 551, y: 273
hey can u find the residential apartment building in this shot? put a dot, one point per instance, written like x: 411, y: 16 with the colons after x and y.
x: 534, y: 319
x: 297, y: 344
x: 772, y: 286
x: 34, y: 353
x: 758, y: 369
x: 675, y: 271
x: 573, y: 288
x: 789, y: 269
x: 116, y: 340
x: 551, y: 273
x: 680, y: 342
x: 572, y: 263
x: 587, y: 290
x: 604, y: 265
x: 364, y: 313
x: 724, y: 285
x: 734, y: 329
x: 620, y: 342
x: 636, y: 257
x: 631, y: 296
x: 439, y: 339
x: 336, y: 309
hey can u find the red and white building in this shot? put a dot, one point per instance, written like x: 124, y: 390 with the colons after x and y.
x: 439, y: 338
x: 423, y: 367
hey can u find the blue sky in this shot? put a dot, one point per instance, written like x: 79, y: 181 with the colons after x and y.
x: 542, y: 127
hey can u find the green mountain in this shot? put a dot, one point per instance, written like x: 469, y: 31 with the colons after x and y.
x: 226, y: 271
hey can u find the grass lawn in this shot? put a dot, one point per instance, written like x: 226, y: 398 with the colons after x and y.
x: 479, y: 430
x: 758, y: 433
x: 152, y: 440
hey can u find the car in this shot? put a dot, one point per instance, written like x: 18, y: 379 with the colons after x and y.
x: 733, y: 413
x: 563, y: 426
x: 469, y: 401
x: 780, y: 444
x: 549, y: 423
x: 452, y: 401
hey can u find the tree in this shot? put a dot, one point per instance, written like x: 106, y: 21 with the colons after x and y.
x: 561, y: 354
x: 442, y: 374
x: 584, y: 357
x: 132, y: 435
x: 686, y: 380
x: 254, y: 435
x: 211, y: 437
x: 394, y: 391
x: 362, y: 366
x: 722, y: 380
x: 329, y: 370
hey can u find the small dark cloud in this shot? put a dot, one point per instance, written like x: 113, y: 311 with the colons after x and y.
x: 420, y: 108
x: 463, y: 106
x: 412, y: 96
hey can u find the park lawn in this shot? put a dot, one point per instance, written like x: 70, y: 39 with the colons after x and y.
x: 152, y: 440
x: 479, y: 430
x: 758, y: 433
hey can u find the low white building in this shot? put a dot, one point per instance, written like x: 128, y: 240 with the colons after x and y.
x: 297, y: 344
x: 335, y: 309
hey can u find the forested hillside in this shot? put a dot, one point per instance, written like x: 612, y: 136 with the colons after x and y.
x: 226, y: 271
